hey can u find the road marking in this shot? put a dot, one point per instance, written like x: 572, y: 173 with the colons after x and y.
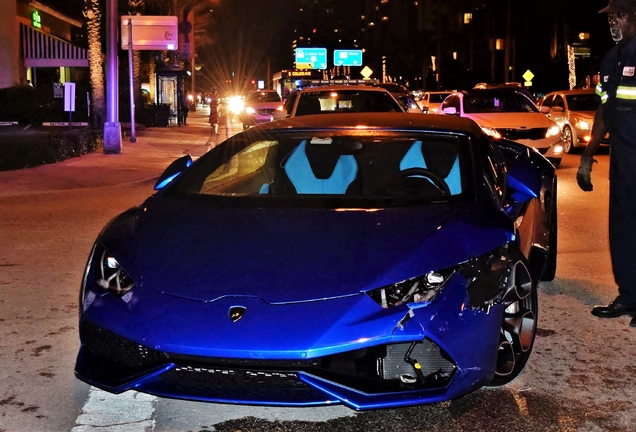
x: 130, y: 411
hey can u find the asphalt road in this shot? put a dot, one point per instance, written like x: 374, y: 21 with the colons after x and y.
x: 580, y: 376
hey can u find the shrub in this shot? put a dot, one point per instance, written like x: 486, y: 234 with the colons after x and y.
x: 22, y: 152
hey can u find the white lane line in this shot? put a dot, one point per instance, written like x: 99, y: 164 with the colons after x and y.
x: 130, y: 411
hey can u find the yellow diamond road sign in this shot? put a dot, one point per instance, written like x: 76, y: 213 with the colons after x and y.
x: 528, y: 77
x: 366, y: 72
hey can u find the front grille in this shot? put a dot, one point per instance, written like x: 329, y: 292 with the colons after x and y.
x: 240, y: 384
x: 523, y: 134
x: 112, y: 348
x: 378, y: 369
x: 267, y: 111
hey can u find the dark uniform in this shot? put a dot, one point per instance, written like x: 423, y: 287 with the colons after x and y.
x: 617, y: 89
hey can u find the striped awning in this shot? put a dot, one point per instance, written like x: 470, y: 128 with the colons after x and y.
x: 43, y: 50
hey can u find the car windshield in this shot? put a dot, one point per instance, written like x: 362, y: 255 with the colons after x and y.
x: 322, y: 101
x: 498, y: 102
x: 263, y: 97
x: 438, y: 97
x: 393, y: 88
x: 583, y: 102
x: 365, y: 169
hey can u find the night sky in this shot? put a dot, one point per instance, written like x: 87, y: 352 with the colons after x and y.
x: 251, y: 38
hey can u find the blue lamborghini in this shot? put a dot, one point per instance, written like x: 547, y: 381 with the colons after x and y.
x: 372, y: 260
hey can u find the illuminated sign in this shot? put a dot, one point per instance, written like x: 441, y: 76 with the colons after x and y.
x: 304, y: 73
x: 347, y: 57
x: 36, y: 19
x: 150, y: 32
x: 311, y: 58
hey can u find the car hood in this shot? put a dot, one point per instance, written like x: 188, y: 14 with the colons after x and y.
x: 512, y: 120
x: 583, y: 115
x: 205, y: 252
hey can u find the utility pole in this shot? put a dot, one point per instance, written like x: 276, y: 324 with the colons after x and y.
x: 112, y: 127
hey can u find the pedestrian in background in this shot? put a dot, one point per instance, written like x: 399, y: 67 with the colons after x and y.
x: 185, y: 109
x: 617, y: 115
x: 214, y: 113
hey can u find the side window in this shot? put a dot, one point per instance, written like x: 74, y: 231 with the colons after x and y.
x: 451, y: 102
x: 558, y: 102
x: 548, y: 101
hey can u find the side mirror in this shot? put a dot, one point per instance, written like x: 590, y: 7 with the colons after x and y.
x: 544, y: 109
x: 557, y: 109
x: 173, y: 170
x: 450, y: 111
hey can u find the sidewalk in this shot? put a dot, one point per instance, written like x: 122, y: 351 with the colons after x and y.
x: 141, y: 161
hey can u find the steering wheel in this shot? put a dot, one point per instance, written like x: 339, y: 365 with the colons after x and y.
x: 398, y: 182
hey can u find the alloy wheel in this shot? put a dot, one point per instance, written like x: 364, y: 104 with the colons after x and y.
x: 519, y: 324
x: 566, y: 136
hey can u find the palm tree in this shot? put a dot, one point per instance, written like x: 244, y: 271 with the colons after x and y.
x: 93, y: 14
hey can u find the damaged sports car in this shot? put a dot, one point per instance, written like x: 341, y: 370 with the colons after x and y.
x: 372, y: 260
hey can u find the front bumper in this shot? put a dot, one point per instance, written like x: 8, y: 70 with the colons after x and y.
x: 256, y: 119
x: 358, y: 358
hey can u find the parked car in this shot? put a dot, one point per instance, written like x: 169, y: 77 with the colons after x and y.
x: 259, y: 107
x: 508, y: 113
x: 374, y: 260
x: 338, y: 99
x: 573, y: 111
x: 431, y: 101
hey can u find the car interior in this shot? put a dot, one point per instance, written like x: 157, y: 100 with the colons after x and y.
x: 342, y: 166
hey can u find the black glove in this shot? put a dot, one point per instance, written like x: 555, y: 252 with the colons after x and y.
x: 584, y: 173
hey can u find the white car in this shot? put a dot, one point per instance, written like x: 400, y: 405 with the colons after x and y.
x: 573, y: 110
x: 430, y: 101
x: 508, y: 113
x: 259, y: 107
x: 338, y: 99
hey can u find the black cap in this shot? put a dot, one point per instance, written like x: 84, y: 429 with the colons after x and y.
x: 615, y: 6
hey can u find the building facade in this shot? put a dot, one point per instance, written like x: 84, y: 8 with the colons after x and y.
x: 39, y: 45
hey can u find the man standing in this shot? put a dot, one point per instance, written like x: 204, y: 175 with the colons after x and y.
x: 617, y: 115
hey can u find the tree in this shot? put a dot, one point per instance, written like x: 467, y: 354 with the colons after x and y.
x: 93, y: 14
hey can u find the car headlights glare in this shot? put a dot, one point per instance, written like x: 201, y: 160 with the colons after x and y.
x: 109, y: 275
x: 250, y: 110
x: 553, y: 131
x: 416, y: 290
x: 582, y: 124
x: 236, y: 104
x: 492, y: 132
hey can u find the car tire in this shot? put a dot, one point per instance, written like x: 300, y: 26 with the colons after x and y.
x: 568, y: 143
x: 518, y: 323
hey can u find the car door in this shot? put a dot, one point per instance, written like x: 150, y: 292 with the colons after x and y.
x: 557, y: 111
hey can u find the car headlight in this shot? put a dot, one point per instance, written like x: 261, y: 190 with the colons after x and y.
x: 250, y: 110
x: 109, y: 275
x: 553, y: 131
x: 492, y: 132
x: 582, y: 124
x: 416, y: 290
x: 236, y: 104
